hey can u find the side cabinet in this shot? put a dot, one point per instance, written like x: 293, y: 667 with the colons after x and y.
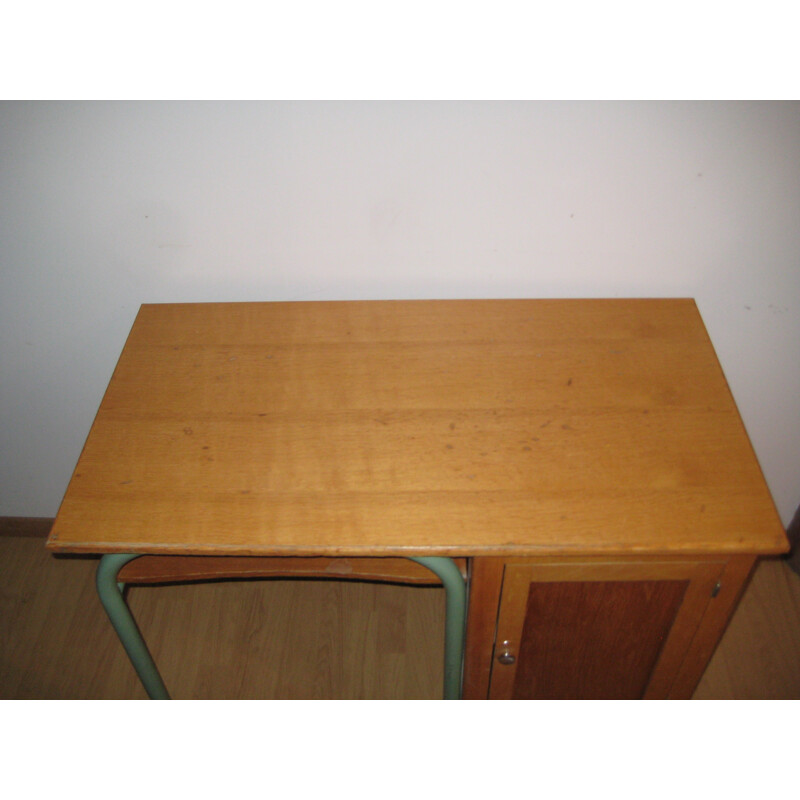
x: 547, y: 629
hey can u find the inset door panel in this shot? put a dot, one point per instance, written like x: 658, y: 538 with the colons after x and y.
x: 596, y: 631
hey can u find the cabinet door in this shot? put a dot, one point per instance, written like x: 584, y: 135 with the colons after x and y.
x: 597, y: 631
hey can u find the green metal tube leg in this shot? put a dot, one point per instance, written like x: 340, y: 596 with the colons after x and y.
x: 110, y: 592
x: 455, y: 620
x: 118, y: 612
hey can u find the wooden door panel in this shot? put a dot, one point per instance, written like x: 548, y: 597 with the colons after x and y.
x: 593, y: 640
x: 583, y: 630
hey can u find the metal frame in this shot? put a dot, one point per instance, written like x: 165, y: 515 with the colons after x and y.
x: 112, y: 597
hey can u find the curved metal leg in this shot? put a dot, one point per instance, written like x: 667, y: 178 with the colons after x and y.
x: 455, y: 620
x: 110, y: 592
x: 118, y: 612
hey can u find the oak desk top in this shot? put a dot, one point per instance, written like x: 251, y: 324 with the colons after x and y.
x: 469, y: 427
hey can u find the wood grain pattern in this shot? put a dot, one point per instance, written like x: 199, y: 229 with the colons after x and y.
x: 165, y: 569
x: 593, y: 640
x: 464, y: 428
x: 600, y: 642
x: 486, y: 581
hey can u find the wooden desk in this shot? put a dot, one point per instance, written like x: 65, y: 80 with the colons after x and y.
x: 583, y: 454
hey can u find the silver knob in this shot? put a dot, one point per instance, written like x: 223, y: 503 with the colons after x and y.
x: 506, y: 658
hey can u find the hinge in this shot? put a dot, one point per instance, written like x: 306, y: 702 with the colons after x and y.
x: 717, y: 587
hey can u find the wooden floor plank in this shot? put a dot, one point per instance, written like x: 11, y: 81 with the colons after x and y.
x: 288, y: 639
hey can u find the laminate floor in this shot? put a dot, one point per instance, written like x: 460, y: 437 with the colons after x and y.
x: 303, y: 639
x: 289, y: 639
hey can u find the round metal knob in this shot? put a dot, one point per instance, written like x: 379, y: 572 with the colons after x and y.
x: 506, y: 657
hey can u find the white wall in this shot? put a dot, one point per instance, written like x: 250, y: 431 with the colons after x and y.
x: 104, y: 206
